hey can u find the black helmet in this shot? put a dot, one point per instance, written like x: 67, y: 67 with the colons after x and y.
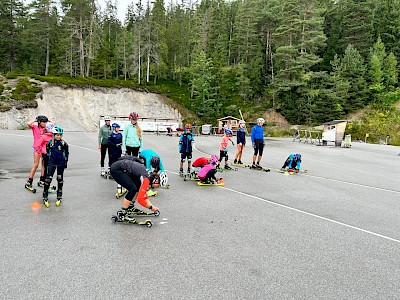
x: 155, y: 162
x: 42, y: 119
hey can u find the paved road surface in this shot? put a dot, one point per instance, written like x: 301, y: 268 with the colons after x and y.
x: 333, y: 233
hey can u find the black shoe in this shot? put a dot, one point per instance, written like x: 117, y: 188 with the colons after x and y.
x: 235, y: 161
x: 240, y: 162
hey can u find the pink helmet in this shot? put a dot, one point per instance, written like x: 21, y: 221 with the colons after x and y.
x: 214, y: 159
x: 133, y: 116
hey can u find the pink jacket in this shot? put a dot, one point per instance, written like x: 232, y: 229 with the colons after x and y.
x: 203, y: 171
x: 41, y: 142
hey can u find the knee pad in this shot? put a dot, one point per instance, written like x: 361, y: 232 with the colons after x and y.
x: 59, y: 179
x: 48, y: 180
x: 182, y: 160
x: 189, y: 160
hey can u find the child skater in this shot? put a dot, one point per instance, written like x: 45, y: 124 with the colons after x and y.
x: 58, y: 153
x: 292, y: 163
x: 115, y: 144
x: 241, y: 142
x: 223, y: 149
x: 207, y: 173
x: 185, y: 148
x: 38, y: 127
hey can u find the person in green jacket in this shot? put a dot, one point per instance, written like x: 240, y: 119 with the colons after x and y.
x: 104, y: 133
x: 132, y: 139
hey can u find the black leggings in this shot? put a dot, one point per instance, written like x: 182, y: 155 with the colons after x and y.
x: 49, y: 177
x: 259, y: 147
x: 134, y: 151
x: 210, y: 175
x: 128, y: 182
x: 104, y: 148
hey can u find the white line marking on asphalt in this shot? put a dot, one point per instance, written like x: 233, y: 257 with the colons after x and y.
x: 334, y: 180
x: 313, y: 215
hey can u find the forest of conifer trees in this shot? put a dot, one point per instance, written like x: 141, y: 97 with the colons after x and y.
x: 312, y: 61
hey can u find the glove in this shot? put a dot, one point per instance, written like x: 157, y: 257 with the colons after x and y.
x: 254, y: 145
x: 233, y: 143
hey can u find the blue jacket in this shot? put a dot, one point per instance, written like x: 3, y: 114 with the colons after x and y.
x: 257, y: 133
x: 115, y: 143
x: 147, y: 155
x: 58, y: 153
x: 185, y: 143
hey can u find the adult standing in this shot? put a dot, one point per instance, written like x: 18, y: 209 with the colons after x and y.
x: 257, y: 139
x: 132, y: 139
x: 103, y: 137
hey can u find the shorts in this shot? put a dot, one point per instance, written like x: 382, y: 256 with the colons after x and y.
x: 187, y: 155
x: 223, y: 154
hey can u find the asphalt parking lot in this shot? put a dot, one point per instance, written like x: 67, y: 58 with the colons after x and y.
x: 333, y: 233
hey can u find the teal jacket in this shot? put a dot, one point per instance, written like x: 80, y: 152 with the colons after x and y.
x: 147, y: 155
x: 104, y: 133
x: 130, y: 138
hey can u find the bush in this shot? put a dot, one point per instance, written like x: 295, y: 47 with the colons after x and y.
x: 25, y: 90
x: 1, y: 88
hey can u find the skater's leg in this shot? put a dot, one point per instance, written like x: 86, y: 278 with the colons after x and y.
x: 60, y: 181
x: 36, y: 160
x: 103, y: 151
x: 142, y: 197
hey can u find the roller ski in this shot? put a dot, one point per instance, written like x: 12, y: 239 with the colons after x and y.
x: 219, y: 182
x: 238, y: 163
x: 135, y: 212
x: 29, y: 187
x: 258, y: 167
x: 122, y: 216
x: 151, y: 193
x: 105, y: 173
x: 59, y: 198
x: 120, y: 192
x: 46, y: 200
x: 290, y: 171
x: 52, y: 189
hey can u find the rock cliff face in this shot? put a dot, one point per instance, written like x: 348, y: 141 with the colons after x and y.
x: 79, y: 109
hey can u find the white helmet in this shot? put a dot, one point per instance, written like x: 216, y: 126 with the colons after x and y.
x: 163, y: 179
x: 260, y: 120
x: 107, y: 118
x: 242, y: 122
x: 49, y: 127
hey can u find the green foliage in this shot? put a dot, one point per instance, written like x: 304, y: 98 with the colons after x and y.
x: 25, y: 90
x: 1, y: 88
x: 378, y: 122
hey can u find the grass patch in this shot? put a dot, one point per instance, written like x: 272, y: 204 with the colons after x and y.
x: 25, y: 91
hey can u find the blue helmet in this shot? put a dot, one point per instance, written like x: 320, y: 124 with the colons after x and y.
x: 298, y: 157
x: 228, y: 131
x: 58, y: 130
x: 115, y: 125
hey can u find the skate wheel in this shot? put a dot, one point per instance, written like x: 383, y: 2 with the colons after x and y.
x: 34, y: 191
x: 157, y: 213
x: 114, y: 219
x: 155, y: 193
x: 148, y: 223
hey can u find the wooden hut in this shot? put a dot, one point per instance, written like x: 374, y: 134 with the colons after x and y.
x: 231, y: 122
x: 333, y: 131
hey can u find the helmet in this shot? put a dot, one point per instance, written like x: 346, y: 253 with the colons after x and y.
x: 214, y: 159
x: 163, y: 179
x: 115, y: 125
x: 242, y: 122
x: 49, y: 127
x: 260, y: 120
x: 155, y: 162
x: 133, y: 116
x: 298, y: 157
x: 228, y: 131
x: 107, y: 118
x: 188, y: 126
x: 40, y: 119
x: 58, y: 130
